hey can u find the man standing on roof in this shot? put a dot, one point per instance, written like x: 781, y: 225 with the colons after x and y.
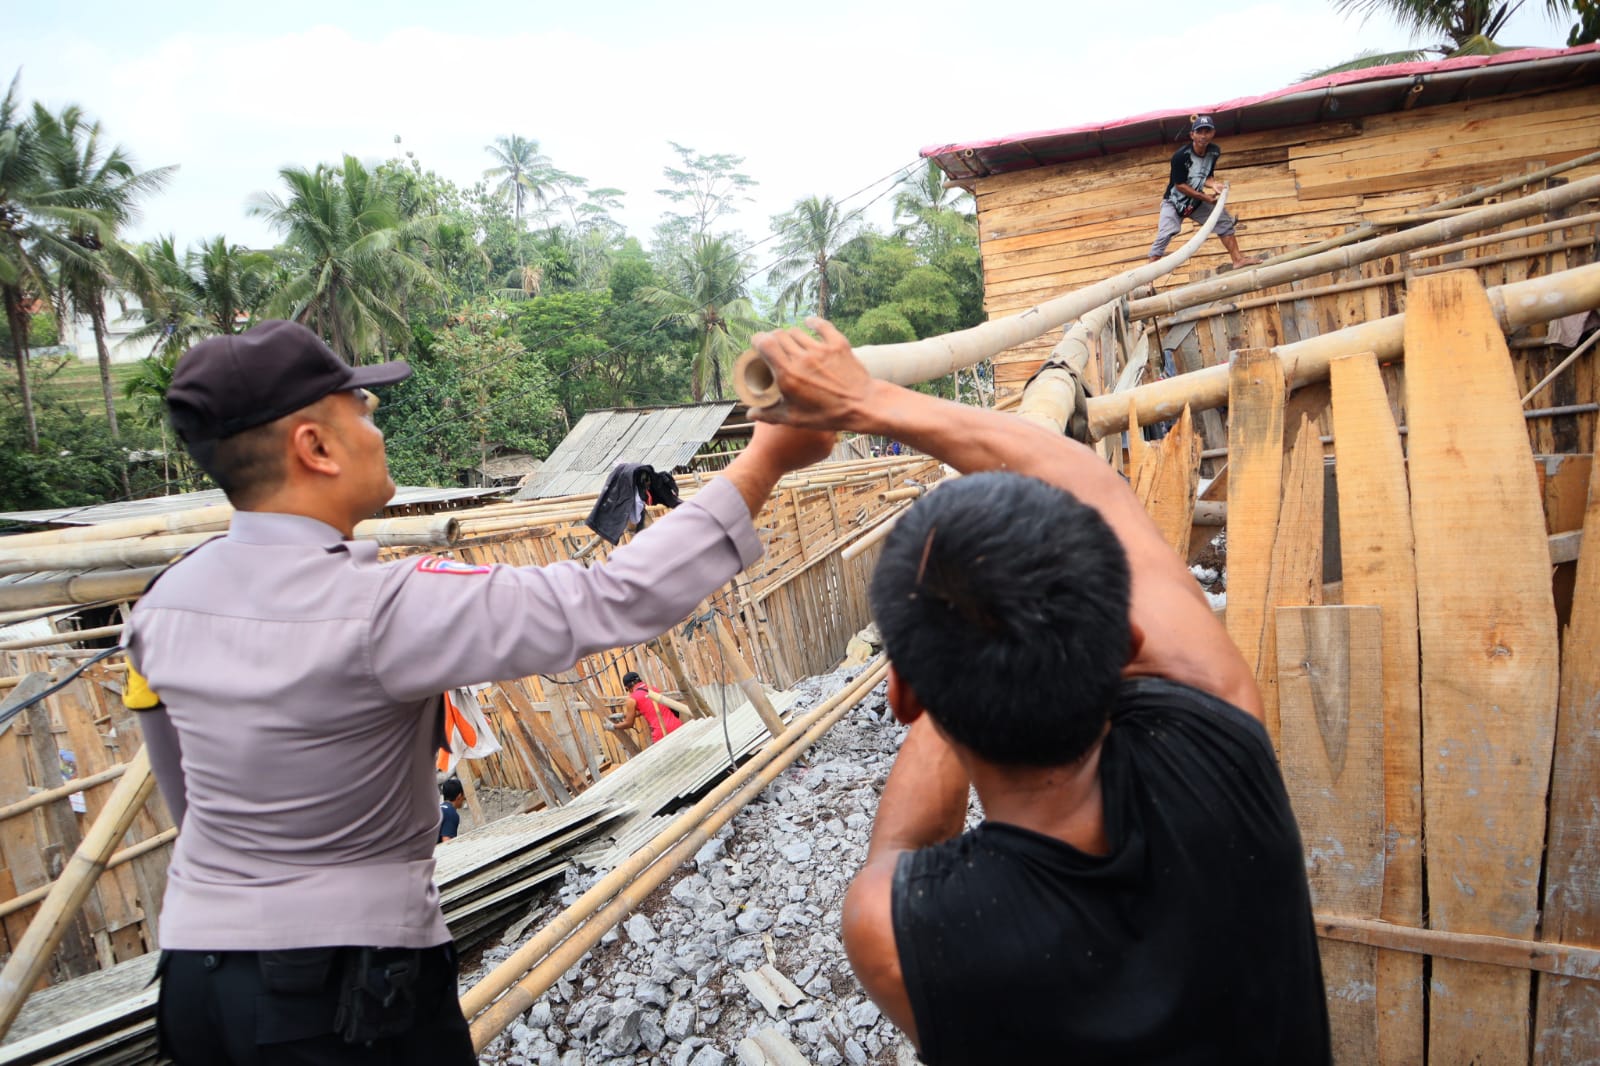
x: 659, y: 718
x: 1138, y: 892
x: 1190, y: 195
x: 290, y: 688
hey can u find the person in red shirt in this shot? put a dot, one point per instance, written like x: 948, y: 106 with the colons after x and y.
x: 660, y: 719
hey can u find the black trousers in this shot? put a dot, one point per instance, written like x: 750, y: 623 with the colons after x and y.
x: 247, y: 1008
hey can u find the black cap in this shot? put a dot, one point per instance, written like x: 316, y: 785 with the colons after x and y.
x: 630, y: 679
x: 226, y: 385
x: 1202, y: 122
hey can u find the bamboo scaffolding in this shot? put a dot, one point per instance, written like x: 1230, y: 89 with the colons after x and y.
x: 1367, y: 229
x: 1265, y: 277
x: 1522, y: 303
x: 32, y: 954
x: 933, y: 358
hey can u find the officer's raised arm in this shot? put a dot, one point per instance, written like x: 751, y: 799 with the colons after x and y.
x: 436, y: 625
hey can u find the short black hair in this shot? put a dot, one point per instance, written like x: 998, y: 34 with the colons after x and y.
x: 630, y: 679
x: 1003, y: 603
x: 451, y: 789
x: 246, y: 465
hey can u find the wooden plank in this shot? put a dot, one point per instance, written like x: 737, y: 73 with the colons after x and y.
x: 1489, y: 667
x: 1255, y: 492
x: 1170, y: 502
x: 1567, y: 1019
x: 1295, y: 579
x: 75, y: 954
x: 1330, y: 677
x: 1379, y: 568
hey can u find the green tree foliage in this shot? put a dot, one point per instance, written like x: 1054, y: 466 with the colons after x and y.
x: 705, y: 188
x: 705, y: 295
x: 354, y: 259
x: 521, y: 174
x: 214, y: 288
x: 809, y: 269
x: 474, y: 388
x: 103, y: 180
x: 1451, y: 27
x: 77, y: 462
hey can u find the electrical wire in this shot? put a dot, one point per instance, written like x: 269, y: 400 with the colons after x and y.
x: 10, y: 711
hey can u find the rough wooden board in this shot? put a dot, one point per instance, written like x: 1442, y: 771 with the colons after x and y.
x: 1255, y: 491
x: 1567, y: 1021
x: 1170, y: 499
x: 1137, y: 448
x: 1330, y: 673
x: 1295, y: 578
x: 1488, y: 657
x: 1379, y: 568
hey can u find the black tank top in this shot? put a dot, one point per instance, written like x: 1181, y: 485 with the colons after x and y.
x: 1191, y: 942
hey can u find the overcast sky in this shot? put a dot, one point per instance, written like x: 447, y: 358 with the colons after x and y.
x: 820, y: 98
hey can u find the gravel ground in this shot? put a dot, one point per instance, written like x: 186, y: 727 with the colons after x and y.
x: 666, y: 987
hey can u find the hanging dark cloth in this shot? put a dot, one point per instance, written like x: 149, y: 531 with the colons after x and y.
x: 628, y: 489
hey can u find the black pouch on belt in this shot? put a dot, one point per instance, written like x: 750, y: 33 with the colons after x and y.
x: 297, y: 1000
x: 377, y: 993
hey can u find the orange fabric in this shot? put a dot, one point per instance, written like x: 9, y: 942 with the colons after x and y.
x: 454, y: 720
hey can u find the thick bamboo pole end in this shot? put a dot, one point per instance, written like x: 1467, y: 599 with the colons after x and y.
x: 753, y: 380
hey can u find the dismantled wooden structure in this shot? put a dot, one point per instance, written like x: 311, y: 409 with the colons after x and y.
x: 1394, y: 422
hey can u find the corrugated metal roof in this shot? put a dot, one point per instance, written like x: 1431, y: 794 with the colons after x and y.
x: 94, y: 514
x: 663, y: 437
x: 1336, y: 97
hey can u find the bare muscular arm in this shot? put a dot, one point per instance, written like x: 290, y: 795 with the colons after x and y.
x: 825, y: 386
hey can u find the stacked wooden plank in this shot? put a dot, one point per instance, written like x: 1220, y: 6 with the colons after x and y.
x: 1428, y: 705
x: 1052, y: 229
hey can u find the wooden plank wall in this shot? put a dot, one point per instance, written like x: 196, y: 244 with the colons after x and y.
x: 1053, y: 229
x: 1439, y: 963
x: 77, y: 733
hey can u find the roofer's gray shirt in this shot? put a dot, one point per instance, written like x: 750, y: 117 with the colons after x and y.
x: 301, y: 679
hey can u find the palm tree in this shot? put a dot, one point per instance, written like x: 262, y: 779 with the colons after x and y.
x: 215, y: 289
x: 522, y: 171
x: 707, y: 297
x: 352, y: 256
x: 931, y: 215
x: 105, y: 184
x: 34, y: 222
x: 812, y: 234
x: 1456, y: 27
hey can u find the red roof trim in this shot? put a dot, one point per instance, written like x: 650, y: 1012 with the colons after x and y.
x: 1349, y: 77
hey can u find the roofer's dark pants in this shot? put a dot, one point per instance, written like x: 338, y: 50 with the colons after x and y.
x: 249, y: 1008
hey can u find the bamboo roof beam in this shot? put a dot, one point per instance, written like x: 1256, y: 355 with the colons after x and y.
x: 1264, y: 277
x: 1516, y: 305
x: 934, y: 357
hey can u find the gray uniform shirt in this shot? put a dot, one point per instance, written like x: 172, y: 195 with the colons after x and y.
x: 300, y: 680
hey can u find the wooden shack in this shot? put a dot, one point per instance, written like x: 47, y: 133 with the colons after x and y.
x: 1432, y: 693
x: 1061, y: 209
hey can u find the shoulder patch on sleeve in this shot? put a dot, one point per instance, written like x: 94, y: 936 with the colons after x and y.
x: 433, y: 564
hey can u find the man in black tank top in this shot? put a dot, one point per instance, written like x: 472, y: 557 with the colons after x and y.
x: 1138, y: 892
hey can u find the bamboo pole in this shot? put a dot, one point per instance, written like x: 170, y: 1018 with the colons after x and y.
x: 1051, y: 397
x: 1365, y: 230
x: 934, y: 357
x: 71, y: 636
x: 77, y: 784
x: 1264, y: 277
x: 739, y: 672
x: 562, y: 939
x: 1522, y: 303
x: 32, y: 954
x: 127, y: 854
x: 1572, y: 357
x: 1508, y: 235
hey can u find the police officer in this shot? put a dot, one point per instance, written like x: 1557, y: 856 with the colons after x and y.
x: 291, y: 683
